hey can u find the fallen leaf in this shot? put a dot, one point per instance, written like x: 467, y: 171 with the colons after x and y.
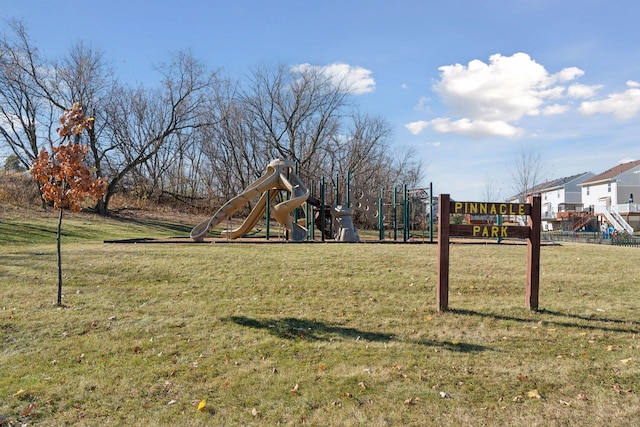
x: 254, y: 412
x: 202, y: 405
x: 565, y: 403
x: 534, y: 394
x: 18, y: 393
x: 28, y: 410
x: 625, y: 361
x: 294, y: 390
x: 581, y: 396
x: 618, y: 389
x: 362, y: 385
x: 523, y: 377
x: 172, y: 402
x: 444, y: 395
x: 409, y: 401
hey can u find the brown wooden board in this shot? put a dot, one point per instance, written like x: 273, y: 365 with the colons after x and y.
x: 484, y: 208
x: 489, y: 231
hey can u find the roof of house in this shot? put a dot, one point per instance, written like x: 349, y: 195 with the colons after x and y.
x: 548, y: 185
x: 558, y: 183
x: 611, y: 173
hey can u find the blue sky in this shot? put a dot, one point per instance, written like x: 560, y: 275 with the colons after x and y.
x: 466, y: 83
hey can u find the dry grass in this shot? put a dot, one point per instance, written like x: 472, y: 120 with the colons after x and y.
x: 319, y: 334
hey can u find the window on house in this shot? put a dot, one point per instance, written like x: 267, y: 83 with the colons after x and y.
x: 587, y: 190
x: 609, y: 187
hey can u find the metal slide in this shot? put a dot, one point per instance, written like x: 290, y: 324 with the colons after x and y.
x: 279, y: 176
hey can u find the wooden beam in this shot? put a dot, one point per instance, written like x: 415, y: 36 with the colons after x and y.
x: 444, y: 211
x: 489, y: 231
x: 533, y: 253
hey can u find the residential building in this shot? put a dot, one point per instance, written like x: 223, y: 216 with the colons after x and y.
x: 561, y: 201
x: 610, y: 195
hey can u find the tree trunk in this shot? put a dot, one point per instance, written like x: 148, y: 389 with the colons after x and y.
x: 59, y: 260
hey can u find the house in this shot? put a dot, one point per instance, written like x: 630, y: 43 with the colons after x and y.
x: 610, y: 195
x: 561, y: 201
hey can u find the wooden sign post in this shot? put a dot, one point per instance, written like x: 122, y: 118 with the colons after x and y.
x: 531, y: 232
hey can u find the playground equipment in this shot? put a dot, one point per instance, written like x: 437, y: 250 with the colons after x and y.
x: 279, y: 176
x: 346, y: 231
x: 331, y: 206
x: 402, y: 212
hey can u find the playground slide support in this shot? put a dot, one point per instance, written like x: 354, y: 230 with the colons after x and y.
x: 431, y: 212
x: 381, y: 215
x: 323, y: 219
x: 268, y: 214
x: 405, y: 213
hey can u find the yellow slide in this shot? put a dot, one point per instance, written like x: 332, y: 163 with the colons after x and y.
x: 279, y: 176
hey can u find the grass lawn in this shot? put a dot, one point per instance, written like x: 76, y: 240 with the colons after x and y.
x: 308, y: 334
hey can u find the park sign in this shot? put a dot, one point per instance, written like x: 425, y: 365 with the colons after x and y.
x: 485, y: 208
x: 531, y: 232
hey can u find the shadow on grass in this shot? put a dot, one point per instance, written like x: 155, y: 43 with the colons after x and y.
x: 293, y: 328
x: 183, y: 229
x: 583, y: 322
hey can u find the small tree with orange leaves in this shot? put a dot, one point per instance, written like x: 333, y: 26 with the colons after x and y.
x: 64, y: 178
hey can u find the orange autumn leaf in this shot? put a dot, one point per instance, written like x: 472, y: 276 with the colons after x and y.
x: 65, y: 181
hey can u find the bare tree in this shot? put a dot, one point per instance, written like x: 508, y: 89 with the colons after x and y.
x: 492, y: 192
x: 526, y: 171
x: 364, y: 151
x: 22, y: 108
x: 296, y: 112
x: 233, y: 148
x: 140, y: 122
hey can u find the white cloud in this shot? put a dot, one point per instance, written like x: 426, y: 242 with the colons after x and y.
x: 357, y: 80
x: 417, y: 127
x: 487, y: 99
x: 554, y: 109
x: 582, y: 91
x: 623, y: 105
x: 423, y: 104
x: 568, y: 74
x: 476, y: 128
